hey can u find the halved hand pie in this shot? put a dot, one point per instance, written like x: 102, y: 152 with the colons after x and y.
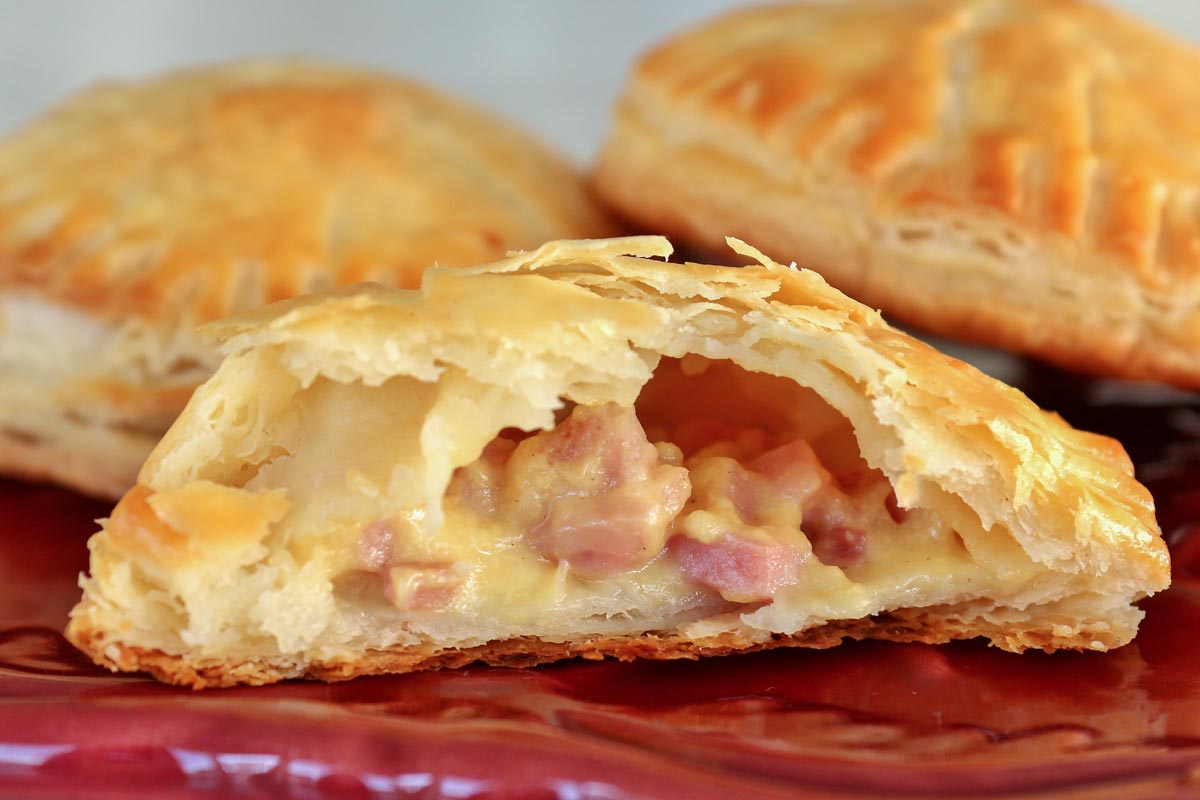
x: 580, y: 452
x: 135, y: 211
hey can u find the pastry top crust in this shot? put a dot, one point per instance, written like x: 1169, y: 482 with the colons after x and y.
x: 590, y: 320
x: 186, y: 197
x: 1053, y: 116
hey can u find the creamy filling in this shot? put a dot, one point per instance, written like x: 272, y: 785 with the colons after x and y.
x: 724, y: 501
x: 731, y: 511
x: 592, y: 493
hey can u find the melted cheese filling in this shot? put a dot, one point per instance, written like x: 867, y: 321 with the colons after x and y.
x: 675, y: 522
x: 723, y: 501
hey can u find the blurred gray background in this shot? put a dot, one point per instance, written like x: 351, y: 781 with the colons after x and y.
x: 555, y: 66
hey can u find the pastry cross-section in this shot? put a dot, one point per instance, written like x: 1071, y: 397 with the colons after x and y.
x: 584, y: 450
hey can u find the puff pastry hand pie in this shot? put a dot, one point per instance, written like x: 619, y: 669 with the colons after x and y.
x: 1022, y: 173
x: 580, y: 452
x: 135, y: 211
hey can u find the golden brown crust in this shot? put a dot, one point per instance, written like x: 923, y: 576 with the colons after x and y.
x: 1054, y: 539
x: 926, y: 625
x: 1019, y: 172
x: 135, y: 211
x: 206, y: 192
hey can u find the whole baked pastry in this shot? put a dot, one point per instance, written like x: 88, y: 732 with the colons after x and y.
x: 582, y: 452
x: 135, y: 211
x: 1023, y: 173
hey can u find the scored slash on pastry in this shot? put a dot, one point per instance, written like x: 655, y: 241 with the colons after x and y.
x: 1020, y: 173
x: 586, y: 451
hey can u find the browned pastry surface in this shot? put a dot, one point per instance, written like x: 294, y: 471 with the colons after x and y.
x: 1018, y: 172
x: 339, y: 498
x: 205, y: 192
x: 134, y: 211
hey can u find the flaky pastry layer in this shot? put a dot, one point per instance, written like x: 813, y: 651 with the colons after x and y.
x: 934, y: 625
x: 1021, y: 173
x: 334, y: 500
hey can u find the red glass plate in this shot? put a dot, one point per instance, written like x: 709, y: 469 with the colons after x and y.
x: 861, y: 720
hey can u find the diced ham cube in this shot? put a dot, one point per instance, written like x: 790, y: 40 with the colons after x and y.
x: 786, y: 487
x: 375, y: 544
x: 613, y: 532
x: 477, y: 484
x: 838, y: 545
x: 793, y: 471
x: 741, y: 570
x: 407, y: 585
x: 594, y: 493
x: 605, y: 443
x: 422, y: 587
x: 773, y: 488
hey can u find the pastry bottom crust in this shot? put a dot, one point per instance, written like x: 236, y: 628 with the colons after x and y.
x: 933, y: 625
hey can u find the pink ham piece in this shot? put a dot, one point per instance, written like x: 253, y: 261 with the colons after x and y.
x: 741, y: 570
x: 793, y: 472
x: 837, y: 545
x: 375, y: 544
x: 777, y: 491
x: 609, y: 533
x: 594, y: 493
x: 773, y: 488
x: 477, y: 484
x: 422, y: 587
x: 407, y: 585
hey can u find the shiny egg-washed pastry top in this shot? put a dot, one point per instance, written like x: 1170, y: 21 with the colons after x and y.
x: 1023, y: 173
